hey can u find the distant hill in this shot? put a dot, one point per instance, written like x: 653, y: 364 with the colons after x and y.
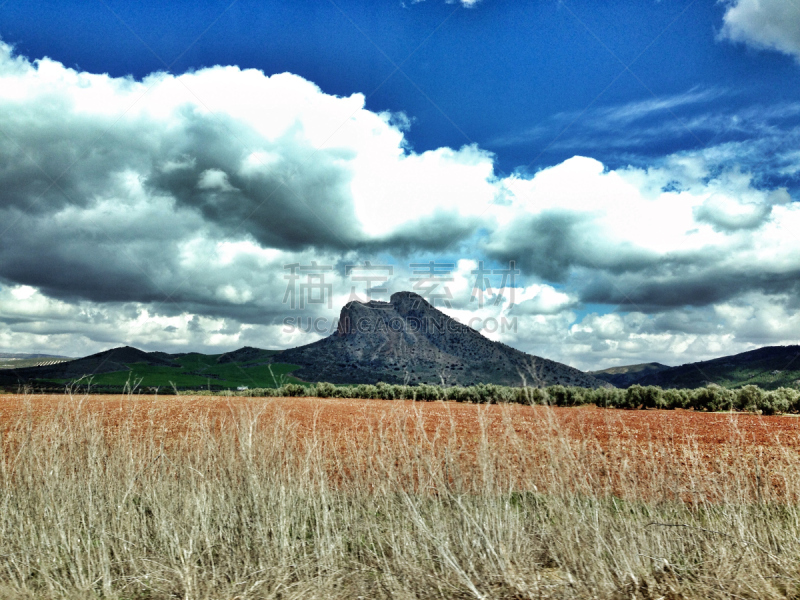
x: 627, y: 375
x: 19, y: 360
x: 247, y: 355
x: 406, y: 340
x: 21, y: 355
x: 113, y: 369
x: 770, y: 367
x: 102, y: 362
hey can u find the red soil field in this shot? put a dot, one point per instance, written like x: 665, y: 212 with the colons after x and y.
x: 707, y: 430
x: 649, y: 450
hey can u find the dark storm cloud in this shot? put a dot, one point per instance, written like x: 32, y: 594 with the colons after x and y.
x: 299, y: 200
x: 696, y: 322
x: 442, y: 231
x: 553, y: 242
x: 140, y: 259
x: 53, y: 160
x: 691, y: 286
x: 171, y: 223
x: 572, y: 248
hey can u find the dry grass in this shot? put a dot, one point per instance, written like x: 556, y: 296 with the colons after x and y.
x: 252, y: 503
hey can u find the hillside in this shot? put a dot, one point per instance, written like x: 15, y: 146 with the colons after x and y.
x: 770, y: 367
x: 113, y: 369
x: 627, y: 375
x: 406, y: 340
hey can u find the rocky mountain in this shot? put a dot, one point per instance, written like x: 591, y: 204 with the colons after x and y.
x: 406, y: 340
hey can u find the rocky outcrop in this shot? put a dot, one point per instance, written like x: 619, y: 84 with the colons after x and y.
x: 406, y: 340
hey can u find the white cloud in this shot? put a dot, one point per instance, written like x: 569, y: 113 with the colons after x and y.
x: 185, y: 198
x: 579, y: 215
x: 764, y: 24
x: 214, y: 179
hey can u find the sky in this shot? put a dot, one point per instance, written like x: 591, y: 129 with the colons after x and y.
x: 596, y: 184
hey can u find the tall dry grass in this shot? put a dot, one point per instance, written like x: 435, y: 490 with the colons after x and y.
x: 252, y: 505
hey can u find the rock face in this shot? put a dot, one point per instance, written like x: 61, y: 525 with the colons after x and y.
x: 406, y: 340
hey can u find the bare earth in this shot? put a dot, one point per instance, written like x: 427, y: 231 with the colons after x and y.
x: 712, y: 432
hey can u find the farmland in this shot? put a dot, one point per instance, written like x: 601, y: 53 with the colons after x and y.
x: 106, y: 372
x: 198, y: 371
x: 203, y: 496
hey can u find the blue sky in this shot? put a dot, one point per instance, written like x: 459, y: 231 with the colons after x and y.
x: 676, y: 123
x: 509, y: 76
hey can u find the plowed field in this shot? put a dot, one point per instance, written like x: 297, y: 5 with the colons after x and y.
x: 645, y: 453
x: 708, y: 430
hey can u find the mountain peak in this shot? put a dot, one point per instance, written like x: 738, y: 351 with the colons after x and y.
x: 408, y: 340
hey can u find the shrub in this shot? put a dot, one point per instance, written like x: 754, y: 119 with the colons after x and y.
x: 633, y: 397
x: 773, y: 403
x: 291, y: 390
x: 710, y: 398
x: 565, y: 396
x: 528, y: 395
x: 489, y: 393
x: 461, y: 394
x: 404, y: 392
x: 749, y: 398
x: 429, y: 393
x: 385, y: 391
x: 325, y: 390
x: 638, y: 396
x: 788, y: 399
x: 537, y: 396
x: 365, y: 391
x: 606, y: 397
x: 672, y: 399
x: 713, y: 398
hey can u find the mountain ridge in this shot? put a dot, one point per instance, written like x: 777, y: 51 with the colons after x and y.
x: 769, y: 367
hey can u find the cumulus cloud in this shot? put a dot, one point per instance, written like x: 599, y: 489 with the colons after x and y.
x: 163, y: 213
x: 677, y: 337
x: 112, y: 188
x: 764, y: 24
x: 671, y: 236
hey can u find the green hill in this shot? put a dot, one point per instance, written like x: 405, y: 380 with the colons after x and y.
x: 769, y: 368
x: 115, y: 369
x: 629, y: 374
